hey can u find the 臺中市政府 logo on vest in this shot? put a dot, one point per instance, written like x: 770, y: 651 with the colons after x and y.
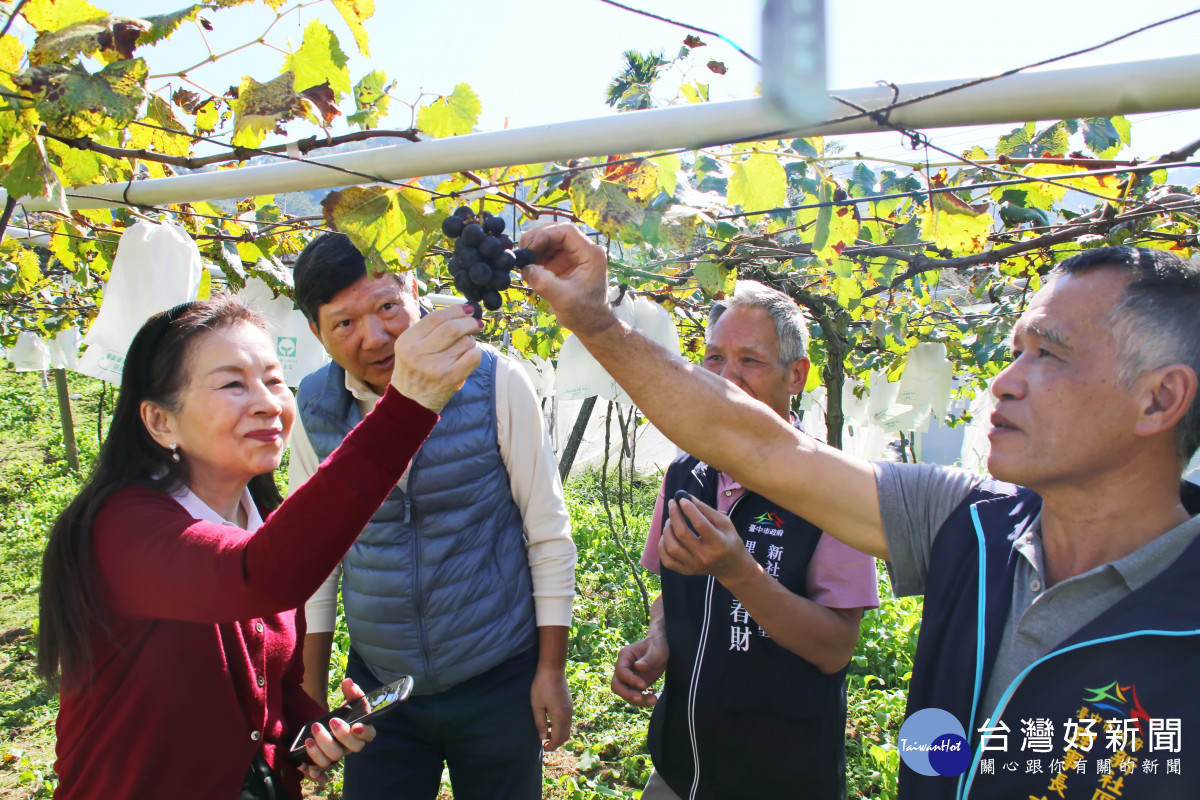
x: 933, y: 742
x: 768, y: 523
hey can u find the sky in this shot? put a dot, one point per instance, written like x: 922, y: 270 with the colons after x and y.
x: 538, y: 61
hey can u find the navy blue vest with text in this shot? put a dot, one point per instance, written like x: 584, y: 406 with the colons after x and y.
x: 1133, y: 670
x: 740, y: 716
x: 437, y: 586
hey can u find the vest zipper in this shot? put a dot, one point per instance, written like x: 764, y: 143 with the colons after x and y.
x: 418, y: 597
x: 710, y: 585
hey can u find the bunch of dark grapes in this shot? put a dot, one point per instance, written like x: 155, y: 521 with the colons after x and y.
x: 483, y: 258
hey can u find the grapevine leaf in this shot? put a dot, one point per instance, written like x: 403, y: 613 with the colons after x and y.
x: 675, y: 228
x: 80, y: 167
x: 20, y: 269
x: 12, y: 53
x: 262, y: 108
x: 1053, y: 141
x: 668, y: 170
x: 1122, y: 127
x: 370, y: 100
x: 606, y: 207
x: 695, y: 92
x: 107, y: 38
x: 163, y: 25
x: 159, y: 113
x: 1016, y: 144
x: 758, y: 184
x: 1101, y: 136
x: 356, y: 12
x: 273, y: 273
x: 73, y: 102
x: 207, y: 116
x: 53, y: 15
x: 714, y: 277
x: 226, y: 256
x: 371, y: 217
x: 30, y: 175
x: 450, y: 115
x: 836, y: 228
x: 954, y: 231
x: 204, y: 291
x: 320, y: 59
x: 320, y: 99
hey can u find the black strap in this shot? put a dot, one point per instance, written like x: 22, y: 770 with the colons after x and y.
x: 261, y: 783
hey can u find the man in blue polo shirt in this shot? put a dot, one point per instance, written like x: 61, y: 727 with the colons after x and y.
x: 1063, y: 616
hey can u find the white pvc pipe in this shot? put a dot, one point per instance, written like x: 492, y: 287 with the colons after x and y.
x: 1099, y: 91
x: 25, y: 235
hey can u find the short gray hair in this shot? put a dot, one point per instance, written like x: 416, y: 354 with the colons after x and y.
x: 1156, y: 321
x: 790, y: 324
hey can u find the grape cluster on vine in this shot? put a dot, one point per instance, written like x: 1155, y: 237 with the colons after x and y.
x: 483, y: 258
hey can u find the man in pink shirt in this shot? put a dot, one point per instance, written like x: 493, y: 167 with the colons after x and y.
x: 755, y: 625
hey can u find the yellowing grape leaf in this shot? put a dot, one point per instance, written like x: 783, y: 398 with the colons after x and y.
x: 674, y: 229
x: 106, y: 38
x: 53, y: 15
x: 20, y: 269
x: 73, y: 102
x: 318, y: 60
x: 450, y: 115
x: 758, y: 184
x: 207, y: 116
x: 163, y: 25
x: 606, y: 207
x: 960, y: 233
x: 159, y: 113
x: 371, y: 217
x: 836, y: 228
x: 262, y: 108
x: 30, y: 175
x: 356, y: 12
x: 12, y: 52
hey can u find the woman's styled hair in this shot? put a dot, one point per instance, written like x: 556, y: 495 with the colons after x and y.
x: 156, y: 369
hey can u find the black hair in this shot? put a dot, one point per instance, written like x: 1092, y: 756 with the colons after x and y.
x: 1156, y: 322
x: 156, y: 369
x: 328, y: 264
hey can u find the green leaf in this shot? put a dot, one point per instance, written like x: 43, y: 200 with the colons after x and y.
x: 668, y: 169
x: 53, y: 15
x: 26, y: 268
x: 1053, y: 141
x: 370, y: 100
x: 675, y: 229
x: 30, y: 175
x: 836, y: 228
x: 758, y: 184
x: 714, y: 277
x: 73, y: 102
x: 605, y: 206
x: 1101, y: 136
x: 809, y: 148
x: 371, y: 217
x: 356, y: 12
x: 318, y: 60
x: 695, y: 92
x: 450, y: 115
x: 1017, y: 143
x: 207, y: 116
x: 163, y: 25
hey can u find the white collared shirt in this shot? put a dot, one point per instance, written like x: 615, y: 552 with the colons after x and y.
x: 199, y: 509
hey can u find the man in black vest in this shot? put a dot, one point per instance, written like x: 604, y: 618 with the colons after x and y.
x: 1061, y: 623
x: 759, y: 617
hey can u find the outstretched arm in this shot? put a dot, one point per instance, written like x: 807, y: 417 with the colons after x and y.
x: 718, y: 423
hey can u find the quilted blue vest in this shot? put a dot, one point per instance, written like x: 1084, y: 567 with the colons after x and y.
x: 1133, y: 666
x: 437, y: 585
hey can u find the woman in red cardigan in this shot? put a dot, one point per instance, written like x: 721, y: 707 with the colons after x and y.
x: 170, y: 584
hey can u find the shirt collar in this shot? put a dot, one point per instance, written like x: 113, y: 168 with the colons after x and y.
x: 359, y: 390
x: 199, y: 509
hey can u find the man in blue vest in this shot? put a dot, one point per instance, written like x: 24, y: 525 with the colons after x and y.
x: 1061, y: 625
x: 754, y: 627
x: 464, y: 578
